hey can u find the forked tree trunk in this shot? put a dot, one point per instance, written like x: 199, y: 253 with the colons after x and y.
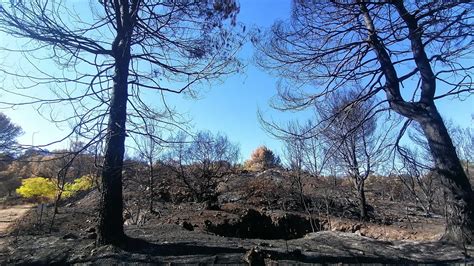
x: 457, y: 189
x: 110, y: 226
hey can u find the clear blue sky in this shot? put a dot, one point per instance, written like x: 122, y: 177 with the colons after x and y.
x: 229, y: 107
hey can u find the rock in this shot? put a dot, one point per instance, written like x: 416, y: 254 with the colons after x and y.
x: 187, y: 225
x: 70, y: 236
x: 356, y: 227
x: 211, y: 205
x: 90, y: 230
x: 92, y: 235
x: 254, y: 257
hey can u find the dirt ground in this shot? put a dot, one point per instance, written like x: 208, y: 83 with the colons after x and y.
x: 179, y: 235
x: 174, y: 244
x: 11, y: 214
x: 248, y: 226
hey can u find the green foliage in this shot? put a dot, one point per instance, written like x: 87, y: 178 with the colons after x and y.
x: 44, y: 190
x: 8, y: 134
x: 80, y: 184
x: 38, y: 188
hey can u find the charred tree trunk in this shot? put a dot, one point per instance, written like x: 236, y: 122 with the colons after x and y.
x: 110, y: 226
x: 467, y: 168
x: 111, y: 206
x: 56, y: 202
x: 362, y: 200
x: 56, y: 210
x: 457, y: 189
x: 151, y: 188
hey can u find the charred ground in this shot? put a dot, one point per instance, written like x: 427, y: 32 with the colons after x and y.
x: 256, y: 216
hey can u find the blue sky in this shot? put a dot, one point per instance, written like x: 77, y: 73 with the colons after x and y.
x: 230, y: 106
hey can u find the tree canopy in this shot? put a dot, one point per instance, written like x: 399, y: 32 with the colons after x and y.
x: 8, y: 134
x: 106, y: 58
x: 412, y: 53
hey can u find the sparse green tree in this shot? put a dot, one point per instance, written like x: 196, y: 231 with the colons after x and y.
x: 8, y: 134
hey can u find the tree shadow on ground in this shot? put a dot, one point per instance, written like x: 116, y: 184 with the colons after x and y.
x: 141, y: 246
x: 410, y: 254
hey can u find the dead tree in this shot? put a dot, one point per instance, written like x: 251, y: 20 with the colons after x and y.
x: 352, y: 136
x: 262, y: 158
x: 419, y: 180
x: 150, y: 148
x: 105, y: 58
x: 304, y: 159
x: 463, y: 139
x: 404, y: 50
x: 203, y: 162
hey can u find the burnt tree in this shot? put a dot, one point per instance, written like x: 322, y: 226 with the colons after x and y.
x: 106, y: 55
x: 411, y: 52
x: 355, y: 138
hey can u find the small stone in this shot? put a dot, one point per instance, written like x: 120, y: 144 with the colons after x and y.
x: 254, y: 257
x: 92, y: 235
x: 70, y: 236
x: 187, y: 225
x: 296, y: 253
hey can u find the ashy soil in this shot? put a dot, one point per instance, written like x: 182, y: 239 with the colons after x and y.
x: 254, y: 226
x: 174, y: 244
x: 183, y: 234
